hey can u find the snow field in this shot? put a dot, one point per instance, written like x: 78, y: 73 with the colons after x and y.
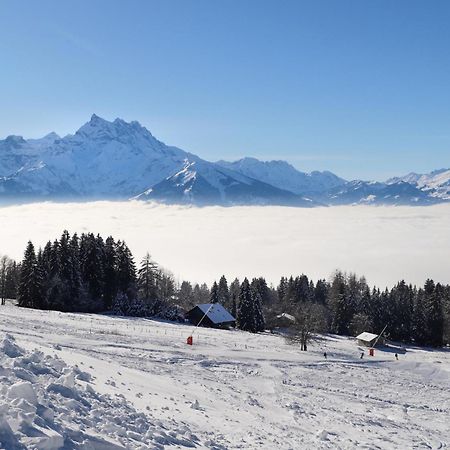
x: 147, y: 389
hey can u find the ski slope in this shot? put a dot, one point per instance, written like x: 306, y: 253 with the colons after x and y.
x: 101, y: 382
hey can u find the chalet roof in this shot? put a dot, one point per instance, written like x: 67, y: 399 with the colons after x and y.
x: 286, y: 316
x: 217, y: 313
x: 366, y: 337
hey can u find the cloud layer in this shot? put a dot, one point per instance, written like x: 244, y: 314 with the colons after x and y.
x: 385, y: 244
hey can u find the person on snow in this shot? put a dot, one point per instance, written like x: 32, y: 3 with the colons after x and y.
x: 325, y: 355
x: 362, y: 355
x: 396, y: 356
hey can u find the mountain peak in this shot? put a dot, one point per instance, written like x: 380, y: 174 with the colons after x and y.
x: 14, y: 141
x: 95, y: 118
x: 97, y: 127
x: 52, y: 135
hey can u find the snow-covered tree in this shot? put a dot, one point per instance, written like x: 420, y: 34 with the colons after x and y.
x: 223, y: 293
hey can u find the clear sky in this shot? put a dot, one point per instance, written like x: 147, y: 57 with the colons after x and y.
x: 358, y: 87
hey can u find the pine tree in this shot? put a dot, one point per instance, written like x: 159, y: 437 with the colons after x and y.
x: 4, y: 264
x: 126, y: 270
x: 186, y: 295
x: 245, y: 319
x: 148, y: 277
x: 201, y: 294
x: 214, y: 297
x: 109, y: 273
x: 302, y: 291
x: 69, y: 290
x: 91, y: 262
x: 235, y: 288
x: 12, y: 280
x: 320, y: 292
x: 434, y: 313
x: 282, y: 289
x: 420, y: 334
x: 27, y: 283
x: 75, y: 273
x: 166, y: 289
x: 223, y: 293
x: 260, y: 286
x: 341, y: 310
x: 259, y: 322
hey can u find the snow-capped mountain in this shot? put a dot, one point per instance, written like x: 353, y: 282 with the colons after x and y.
x: 436, y: 183
x: 109, y: 160
x: 284, y: 176
x: 101, y: 160
x: 375, y: 193
x: 121, y: 160
x: 205, y: 183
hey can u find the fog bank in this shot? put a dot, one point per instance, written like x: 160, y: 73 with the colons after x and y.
x: 385, y: 244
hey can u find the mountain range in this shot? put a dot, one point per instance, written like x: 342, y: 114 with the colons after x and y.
x: 123, y: 160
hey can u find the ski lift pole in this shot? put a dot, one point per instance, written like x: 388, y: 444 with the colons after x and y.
x: 376, y: 340
x: 189, y: 340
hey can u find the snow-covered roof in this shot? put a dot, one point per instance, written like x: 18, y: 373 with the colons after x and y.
x: 286, y: 316
x: 216, y: 312
x: 367, y: 337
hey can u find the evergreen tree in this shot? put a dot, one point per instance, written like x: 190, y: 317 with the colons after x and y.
x: 186, y: 295
x: 223, y: 293
x: 260, y: 286
x: 302, y: 289
x: 341, y: 310
x: 245, y: 319
x: 109, y: 273
x: 258, y: 316
x: 148, y: 277
x: 91, y: 262
x: 235, y: 288
x: 282, y: 289
x: 434, y: 313
x: 201, y: 294
x: 4, y: 264
x: 320, y: 292
x: 12, y: 280
x: 27, y: 282
x: 126, y: 270
x: 420, y: 324
x: 214, y: 297
x: 166, y: 289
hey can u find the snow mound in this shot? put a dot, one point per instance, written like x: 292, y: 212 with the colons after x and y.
x: 47, y: 405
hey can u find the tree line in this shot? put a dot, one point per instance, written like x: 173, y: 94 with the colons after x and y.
x: 89, y: 274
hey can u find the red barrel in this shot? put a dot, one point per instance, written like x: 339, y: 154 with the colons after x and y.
x: 189, y: 340
x: 371, y: 351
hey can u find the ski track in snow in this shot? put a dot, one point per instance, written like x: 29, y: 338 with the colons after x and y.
x: 235, y: 390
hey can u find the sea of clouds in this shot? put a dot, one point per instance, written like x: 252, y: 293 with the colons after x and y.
x: 385, y: 244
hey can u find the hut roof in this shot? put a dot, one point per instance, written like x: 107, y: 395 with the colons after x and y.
x: 216, y: 313
x: 286, y: 316
x: 366, y: 337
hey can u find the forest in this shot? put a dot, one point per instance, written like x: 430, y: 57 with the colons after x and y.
x: 87, y: 273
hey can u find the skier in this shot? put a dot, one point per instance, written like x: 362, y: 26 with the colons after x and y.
x: 325, y: 355
x: 362, y: 355
x: 396, y: 356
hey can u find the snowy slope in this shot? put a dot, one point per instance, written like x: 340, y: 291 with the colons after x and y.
x: 284, y: 176
x: 375, y: 193
x: 205, y: 183
x: 146, y: 388
x: 436, y: 183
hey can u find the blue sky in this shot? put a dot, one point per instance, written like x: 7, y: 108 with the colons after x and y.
x: 359, y: 87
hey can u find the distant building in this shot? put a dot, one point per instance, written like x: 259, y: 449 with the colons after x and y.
x: 284, y: 320
x: 214, y: 315
x: 368, y: 339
